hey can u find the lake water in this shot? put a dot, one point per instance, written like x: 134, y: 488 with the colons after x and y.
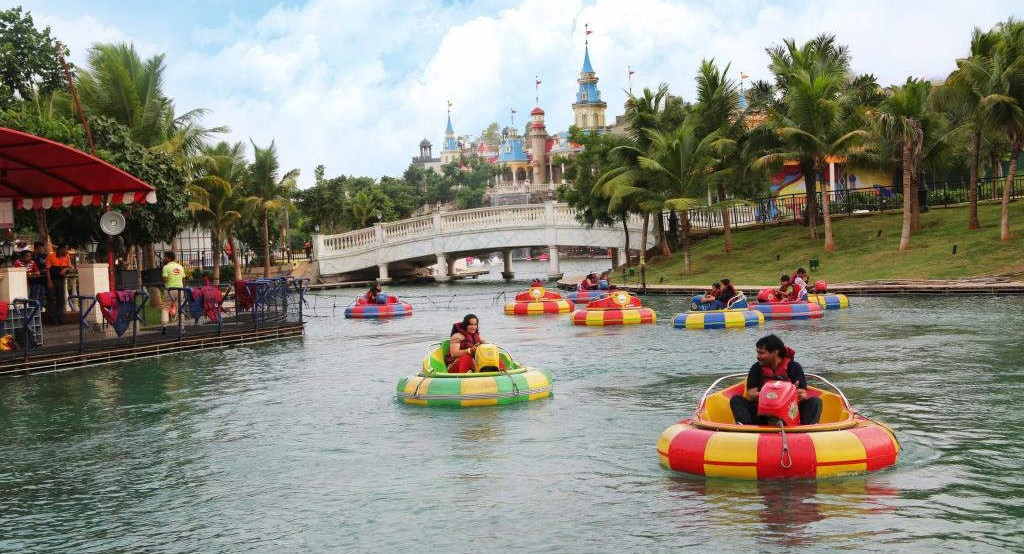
x: 301, y: 446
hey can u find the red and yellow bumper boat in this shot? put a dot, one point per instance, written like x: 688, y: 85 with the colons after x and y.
x: 537, y: 300
x: 711, y: 443
x: 618, y: 308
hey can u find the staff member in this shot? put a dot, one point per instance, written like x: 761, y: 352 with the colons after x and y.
x: 58, y: 265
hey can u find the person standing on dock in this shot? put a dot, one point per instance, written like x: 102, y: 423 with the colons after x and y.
x: 174, y: 277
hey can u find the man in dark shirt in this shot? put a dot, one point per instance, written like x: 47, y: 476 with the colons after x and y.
x: 774, y: 361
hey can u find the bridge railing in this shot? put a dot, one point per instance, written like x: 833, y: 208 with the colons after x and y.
x: 528, y: 215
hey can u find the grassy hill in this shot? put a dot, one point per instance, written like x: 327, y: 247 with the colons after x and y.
x: 866, y: 249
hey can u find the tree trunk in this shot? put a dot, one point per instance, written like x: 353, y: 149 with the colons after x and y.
x: 684, y: 242
x: 665, y: 250
x: 625, y: 229
x: 1004, y: 214
x: 643, y: 239
x: 235, y: 258
x: 217, y: 238
x: 996, y: 170
x: 726, y: 227
x: 811, y: 209
x: 826, y: 212
x: 907, y: 178
x: 149, y: 256
x: 972, y: 185
x: 42, y: 228
x: 266, y: 244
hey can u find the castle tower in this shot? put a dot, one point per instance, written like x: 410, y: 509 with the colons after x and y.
x: 511, y: 156
x: 588, y: 108
x: 450, y: 152
x: 538, y: 136
x: 426, y: 149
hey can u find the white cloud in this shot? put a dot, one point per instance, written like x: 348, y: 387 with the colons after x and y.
x: 357, y: 85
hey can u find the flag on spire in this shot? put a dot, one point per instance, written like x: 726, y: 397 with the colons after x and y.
x: 538, y: 80
x: 744, y: 75
x: 586, y: 27
x: 631, y: 72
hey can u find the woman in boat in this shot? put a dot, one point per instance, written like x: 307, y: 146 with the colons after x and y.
x: 774, y: 361
x: 462, y: 345
x: 371, y: 295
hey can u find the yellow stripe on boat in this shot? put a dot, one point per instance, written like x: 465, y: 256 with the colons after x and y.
x: 536, y: 380
x: 410, y: 388
x: 479, y: 386
x: 724, y: 450
x: 838, y: 446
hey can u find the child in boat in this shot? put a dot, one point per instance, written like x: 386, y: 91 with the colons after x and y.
x: 706, y: 301
x: 371, y: 295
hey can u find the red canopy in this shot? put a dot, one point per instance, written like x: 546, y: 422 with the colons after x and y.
x: 39, y: 173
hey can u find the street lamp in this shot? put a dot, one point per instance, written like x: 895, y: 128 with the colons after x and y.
x: 91, y: 247
x: 316, y: 228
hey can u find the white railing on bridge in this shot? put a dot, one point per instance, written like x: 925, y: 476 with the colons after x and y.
x: 438, y: 223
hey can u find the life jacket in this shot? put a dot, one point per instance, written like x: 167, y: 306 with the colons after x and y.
x: 467, y: 340
x: 780, y: 373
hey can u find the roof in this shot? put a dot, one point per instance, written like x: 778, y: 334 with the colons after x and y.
x: 37, y: 172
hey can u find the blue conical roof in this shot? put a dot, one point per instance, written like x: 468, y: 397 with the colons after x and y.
x: 449, y: 130
x: 586, y: 60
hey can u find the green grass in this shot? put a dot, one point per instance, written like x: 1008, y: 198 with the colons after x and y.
x: 760, y: 256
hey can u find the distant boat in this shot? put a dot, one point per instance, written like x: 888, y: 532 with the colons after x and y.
x: 495, y: 260
x: 543, y: 257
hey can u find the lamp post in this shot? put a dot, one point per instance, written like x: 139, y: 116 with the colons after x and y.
x: 91, y: 247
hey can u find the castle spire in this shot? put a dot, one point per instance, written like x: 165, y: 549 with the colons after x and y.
x: 589, y: 108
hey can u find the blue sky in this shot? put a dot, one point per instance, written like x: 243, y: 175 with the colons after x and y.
x: 355, y: 85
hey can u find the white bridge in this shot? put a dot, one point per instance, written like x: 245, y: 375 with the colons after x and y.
x: 442, y: 237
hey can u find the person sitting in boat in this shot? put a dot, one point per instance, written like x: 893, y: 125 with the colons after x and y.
x: 726, y: 294
x: 789, y: 291
x: 774, y: 361
x: 799, y: 280
x: 371, y: 295
x: 588, y: 283
x: 604, y: 282
x: 536, y: 283
x: 706, y: 301
x: 462, y: 345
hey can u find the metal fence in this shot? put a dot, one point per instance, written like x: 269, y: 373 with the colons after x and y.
x: 147, y: 316
x: 792, y: 207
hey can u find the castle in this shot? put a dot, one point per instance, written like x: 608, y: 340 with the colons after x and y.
x: 531, y: 166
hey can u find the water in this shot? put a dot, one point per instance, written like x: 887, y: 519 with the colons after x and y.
x: 301, y: 446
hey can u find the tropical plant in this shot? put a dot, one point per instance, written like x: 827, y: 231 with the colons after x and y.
x: 29, y: 67
x: 272, y: 190
x: 217, y: 202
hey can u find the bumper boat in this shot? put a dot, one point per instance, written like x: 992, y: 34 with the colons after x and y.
x: 618, y: 308
x: 829, y: 301
x: 735, y: 314
x: 387, y: 305
x: 586, y: 296
x: 711, y: 443
x: 507, y: 383
x: 537, y: 300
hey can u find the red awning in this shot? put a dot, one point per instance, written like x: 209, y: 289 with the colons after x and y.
x: 39, y: 173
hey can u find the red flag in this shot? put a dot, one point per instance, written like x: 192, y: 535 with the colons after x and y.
x: 631, y: 72
x: 538, y: 81
x: 589, y: 31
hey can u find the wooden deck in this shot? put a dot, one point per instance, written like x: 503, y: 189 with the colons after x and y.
x: 60, y: 350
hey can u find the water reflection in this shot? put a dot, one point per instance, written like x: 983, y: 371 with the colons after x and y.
x: 781, y: 512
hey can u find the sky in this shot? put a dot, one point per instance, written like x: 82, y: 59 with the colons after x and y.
x: 356, y: 85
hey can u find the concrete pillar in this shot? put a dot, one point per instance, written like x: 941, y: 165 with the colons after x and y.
x: 14, y: 283
x: 92, y: 280
x: 441, y: 269
x: 554, y: 272
x: 507, y: 256
x: 383, y: 271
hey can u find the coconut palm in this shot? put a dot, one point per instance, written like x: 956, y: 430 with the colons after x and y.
x: 1005, y: 108
x: 363, y: 207
x: 272, y: 190
x: 965, y: 94
x: 218, y: 203
x: 900, y: 117
x: 814, y: 126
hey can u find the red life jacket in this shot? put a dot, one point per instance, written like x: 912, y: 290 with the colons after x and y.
x: 780, y: 373
x: 467, y: 340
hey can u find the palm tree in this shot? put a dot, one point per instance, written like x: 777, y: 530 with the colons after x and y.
x: 272, y: 190
x: 363, y: 207
x: 966, y: 92
x: 813, y: 127
x: 900, y: 117
x: 217, y: 202
x: 1005, y: 108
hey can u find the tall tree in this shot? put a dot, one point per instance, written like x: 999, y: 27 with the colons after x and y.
x: 900, y: 117
x: 29, y: 67
x: 217, y: 201
x: 1006, y: 107
x: 272, y: 189
x: 967, y: 91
